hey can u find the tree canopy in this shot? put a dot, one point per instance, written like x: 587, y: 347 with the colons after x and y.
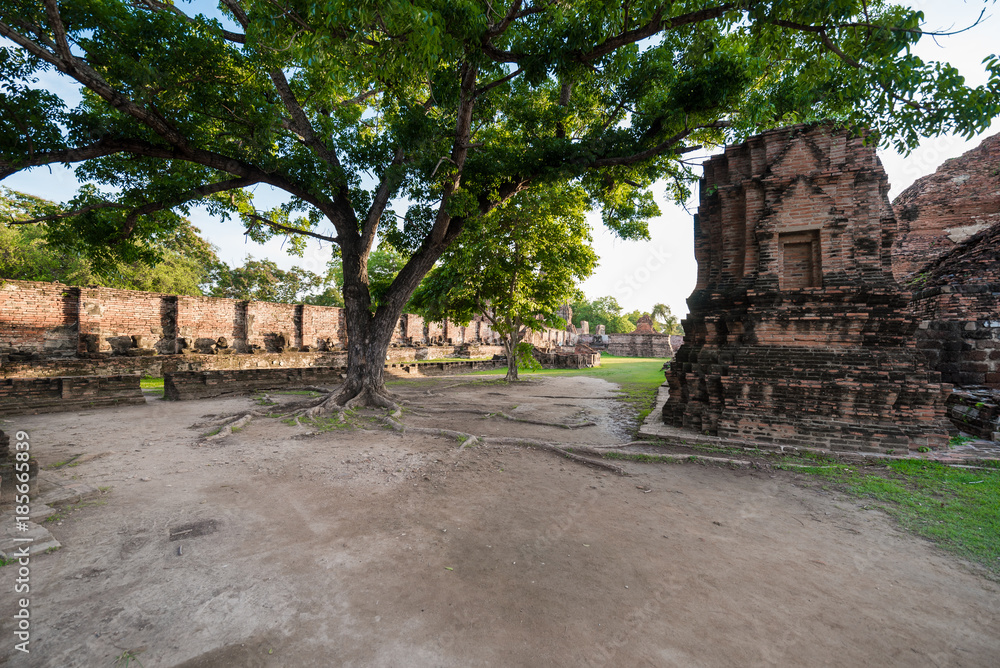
x: 514, y: 268
x: 601, y: 311
x: 404, y: 120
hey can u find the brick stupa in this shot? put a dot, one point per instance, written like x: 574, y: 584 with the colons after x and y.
x: 797, y: 333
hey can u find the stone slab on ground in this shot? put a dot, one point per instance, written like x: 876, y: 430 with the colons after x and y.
x: 52, y: 492
x: 35, y: 536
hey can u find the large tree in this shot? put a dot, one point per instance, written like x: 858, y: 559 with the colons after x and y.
x: 409, y: 118
x: 515, y: 268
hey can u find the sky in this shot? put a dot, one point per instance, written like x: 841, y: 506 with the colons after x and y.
x: 638, y: 274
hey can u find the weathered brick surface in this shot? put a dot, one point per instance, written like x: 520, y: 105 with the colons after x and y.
x: 797, y: 332
x: 975, y: 412
x: 46, y: 395
x: 201, y: 321
x: 941, y: 210
x: 38, y: 318
x: 959, y: 311
x: 115, y: 316
x: 568, y: 360
x: 640, y: 344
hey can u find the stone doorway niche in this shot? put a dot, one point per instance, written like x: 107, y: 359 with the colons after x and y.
x: 801, y: 260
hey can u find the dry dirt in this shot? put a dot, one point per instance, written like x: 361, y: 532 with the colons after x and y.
x: 372, y: 548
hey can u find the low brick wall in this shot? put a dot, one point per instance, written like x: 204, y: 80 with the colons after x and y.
x: 186, y: 385
x: 976, y: 412
x: 20, y: 396
x: 444, y: 368
x: 114, y: 365
x: 558, y: 360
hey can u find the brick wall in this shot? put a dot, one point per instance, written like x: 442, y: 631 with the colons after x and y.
x: 943, y: 209
x: 640, y: 345
x: 42, y: 321
x: 202, y: 321
x: 115, y: 316
x: 38, y: 318
x: 45, y: 395
x: 323, y: 328
x: 797, y: 332
x: 959, y: 332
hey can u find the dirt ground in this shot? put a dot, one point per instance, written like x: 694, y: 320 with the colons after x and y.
x: 368, y: 547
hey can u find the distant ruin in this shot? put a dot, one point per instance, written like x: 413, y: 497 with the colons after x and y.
x: 644, y: 341
x: 797, y: 331
x: 51, y: 329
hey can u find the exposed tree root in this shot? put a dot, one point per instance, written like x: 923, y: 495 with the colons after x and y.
x: 469, y: 440
x: 228, y: 428
x: 425, y: 412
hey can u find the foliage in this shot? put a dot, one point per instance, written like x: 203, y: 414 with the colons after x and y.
x: 524, y: 357
x: 28, y: 253
x: 442, y: 109
x: 188, y: 264
x: 515, y: 266
x: 263, y: 280
x: 665, y: 321
x: 602, y: 311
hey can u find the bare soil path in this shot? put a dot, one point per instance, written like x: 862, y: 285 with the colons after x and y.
x: 366, y: 547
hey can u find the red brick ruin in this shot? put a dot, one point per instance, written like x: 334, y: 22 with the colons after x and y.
x: 941, y: 210
x: 797, y: 333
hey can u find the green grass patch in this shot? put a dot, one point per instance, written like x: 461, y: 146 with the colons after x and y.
x: 151, y: 384
x: 959, y: 509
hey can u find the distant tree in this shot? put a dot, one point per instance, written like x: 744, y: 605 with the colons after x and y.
x: 515, y: 268
x: 602, y: 311
x: 665, y: 321
x: 184, y: 261
x: 263, y: 280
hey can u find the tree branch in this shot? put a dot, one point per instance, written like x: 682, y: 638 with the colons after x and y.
x: 156, y: 6
x: 301, y: 124
x: 293, y: 230
x: 655, y: 150
x: 499, y: 82
x: 655, y: 25
x: 385, y: 190
x: 98, y: 149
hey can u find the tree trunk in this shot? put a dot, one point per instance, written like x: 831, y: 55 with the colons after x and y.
x: 509, y: 349
x: 368, y: 341
x: 368, y: 336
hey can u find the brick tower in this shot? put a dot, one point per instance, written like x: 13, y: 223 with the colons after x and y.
x: 797, y: 333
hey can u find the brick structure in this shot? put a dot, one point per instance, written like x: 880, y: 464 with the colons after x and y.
x: 644, y: 341
x: 958, y: 305
x: 45, y: 322
x: 797, y: 332
x: 47, y: 395
x: 943, y: 209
